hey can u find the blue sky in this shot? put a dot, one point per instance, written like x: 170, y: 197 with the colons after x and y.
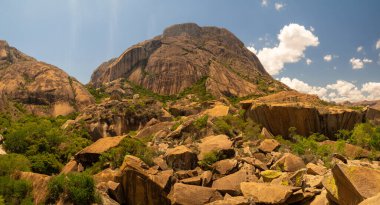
x: 78, y: 35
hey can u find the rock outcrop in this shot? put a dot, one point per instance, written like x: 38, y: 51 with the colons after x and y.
x: 186, y: 54
x: 41, y: 88
x: 307, y: 113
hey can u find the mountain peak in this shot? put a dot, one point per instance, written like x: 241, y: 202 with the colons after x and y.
x: 185, y: 54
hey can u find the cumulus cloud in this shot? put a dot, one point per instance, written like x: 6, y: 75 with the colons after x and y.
x: 252, y: 49
x: 338, y: 92
x: 359, y: 49
x: 278, y: 6
x: 378, y: 44
x: 327, y: 58
x: 308, y: 61
x: 358, y: 63
x: 293, y: 41
x: 264, y: 2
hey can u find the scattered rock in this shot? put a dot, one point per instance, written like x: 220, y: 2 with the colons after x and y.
x: 217, y: 143
x: 181, y: 158
x: 269, y: 175
x: 268, y: 145
x: 193, y: 195
x: 39, y: 185
x: 225, y: 166
x: 316, y: 169
x: 371, y: 201
x: 231, y: 183
x: 266, y: 193
x: 91, y: 153
x: 289, y: 163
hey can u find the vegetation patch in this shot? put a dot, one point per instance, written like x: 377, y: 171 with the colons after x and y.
x: 78, y: 187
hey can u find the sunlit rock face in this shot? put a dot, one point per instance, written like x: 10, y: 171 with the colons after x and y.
x: 185, y: 54
x: 40, y: 88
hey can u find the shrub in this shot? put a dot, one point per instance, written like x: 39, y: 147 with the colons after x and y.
x: 230, y: 124
x: 15, y: 191
x: 2, y: 202
x: 79, y: 188
x: 366, y: 135
x: 13, y: 162
x: 128, y: 146
x: 201, y: 122
x: 209, y: 159
x: 45, y: 164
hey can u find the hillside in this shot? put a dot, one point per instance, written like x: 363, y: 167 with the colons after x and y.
x: 37, y: 87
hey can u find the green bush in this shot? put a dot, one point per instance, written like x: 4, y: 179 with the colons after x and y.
x: 366, y: 135
x: 201, y: 122
x: 209, y: 159
x: 230, y: 124
x: 15, y: 191
x: 128, y: 146
x: 45, y: 164
x: 10, y: 163
x: 2, y: 202
x: 79, y: 188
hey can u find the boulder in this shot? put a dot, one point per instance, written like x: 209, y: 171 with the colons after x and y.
x: 289, y: 163
x: 181, y: 158
x: 371, y: 201
x: 91, y: 153
x: 354, y: 184
x: 72, y: 166
x: 231, y: 183
x: 140, y: 187
x: 219, y: 110
x: 193, y: 195
x: 321, y: 199
x: 266, y: 193
x: 265, y: 133
x: 232, y: 200
x: 316, y: 169
x: 225, y: 166
x: 39, y: 185
x: 215, y: 143
x: 268, y: 145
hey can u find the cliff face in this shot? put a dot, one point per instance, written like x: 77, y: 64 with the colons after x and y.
x: 183, y: 55
x: 307, y: 116
x: 41, y: 88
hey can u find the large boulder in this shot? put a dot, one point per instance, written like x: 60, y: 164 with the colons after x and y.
x: 225, y: 166
x: 181, y: 158
x: 266, y: 193
x: 354, y: 184
x: 215, y: 143
x: 183, y: 194
x: 91, y: 153
x: 141, y: 187
x: 231, y: 183
x: 289, y: 163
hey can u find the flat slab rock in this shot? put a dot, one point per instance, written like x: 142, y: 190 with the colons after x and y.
x: 266, y: 193
x: 193, y: 195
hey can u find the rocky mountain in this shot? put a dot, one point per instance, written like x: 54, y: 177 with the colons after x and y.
x: 38, y: 87
x: 185, y: 54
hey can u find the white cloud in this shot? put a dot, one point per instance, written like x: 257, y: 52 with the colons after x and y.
x: 252, y: 49
x: 278, y: 6
x: 359, y: 49
x: 264, y: 2
x: 308, y: 61
x: 312, y: 29
x: 339, y: 92
x: 358, y: 63
x: 327, y: 58
x: 378, y: 44
x: 293, y: 41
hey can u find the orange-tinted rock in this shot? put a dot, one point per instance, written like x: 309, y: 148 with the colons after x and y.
x: 193, y: 195
x: 185, y: 54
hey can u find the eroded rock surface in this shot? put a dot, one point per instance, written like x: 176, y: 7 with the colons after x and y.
x: 186, y: 54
